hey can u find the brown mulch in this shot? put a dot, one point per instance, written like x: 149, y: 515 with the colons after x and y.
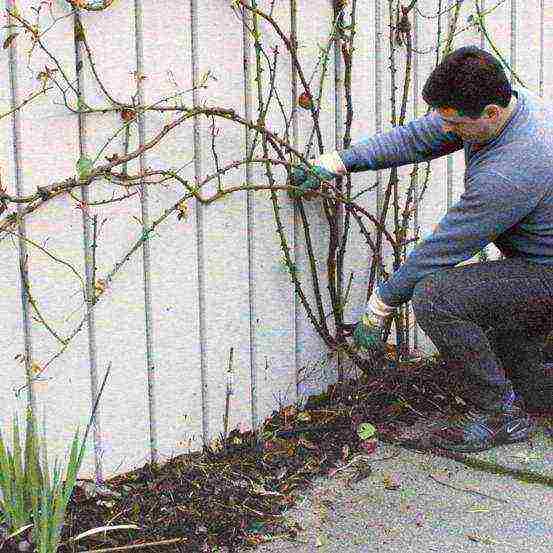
x: 235, y: 496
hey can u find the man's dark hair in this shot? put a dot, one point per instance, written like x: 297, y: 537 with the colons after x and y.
x: 468, y: 79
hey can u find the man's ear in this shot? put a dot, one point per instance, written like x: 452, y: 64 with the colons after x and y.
x: 492, y: 111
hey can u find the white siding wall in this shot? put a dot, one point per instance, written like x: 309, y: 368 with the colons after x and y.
x: 215, y: 281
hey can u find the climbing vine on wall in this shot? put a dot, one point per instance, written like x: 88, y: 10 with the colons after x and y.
x: 92, y: 6
x: 337, y: 199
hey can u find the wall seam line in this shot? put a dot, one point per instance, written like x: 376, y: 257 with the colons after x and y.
x: 22, y: 246
x: 250, y: 221
x: 90, y: 315
x: 146, y: 257
x: 202, y: 337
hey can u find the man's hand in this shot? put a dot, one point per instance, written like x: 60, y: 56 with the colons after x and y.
x: 367, y: 334
x: 323, y: 169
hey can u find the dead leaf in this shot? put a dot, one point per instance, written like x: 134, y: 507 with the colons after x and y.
x: 345, y: 452
x: 35, y: 367
x: 9, y: 40
x: 391, y: 351
x: 525, y: 457
x: 289, y: 411
x: 138, y: 76
x: 128, y: 114
x: 391, y: 482
x: 307, y: 444
x: 100, y: 287
x: 482, y: 539
x: 182, y: 209
x: 419, y: 518
x: 216, y: 445
x: 362, y: 472
x: 369, y: 445
x: 320, y: 540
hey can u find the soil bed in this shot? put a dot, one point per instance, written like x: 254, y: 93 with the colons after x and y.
x: 236, y: 495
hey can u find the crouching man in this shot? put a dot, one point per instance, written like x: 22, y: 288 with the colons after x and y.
x: 488, y: 319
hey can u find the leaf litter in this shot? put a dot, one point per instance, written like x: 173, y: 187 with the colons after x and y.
x: 236, y: 491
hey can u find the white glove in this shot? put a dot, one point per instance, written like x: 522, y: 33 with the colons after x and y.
x: 332, y: 162
x: 377, y: 311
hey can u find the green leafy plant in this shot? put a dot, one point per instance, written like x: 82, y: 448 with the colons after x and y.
x: 29, y: 496
x: 366, y: 430
x: 18, y: 483
x: 84, y: 167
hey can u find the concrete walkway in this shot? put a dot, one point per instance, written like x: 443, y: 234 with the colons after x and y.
x: 418, y: 502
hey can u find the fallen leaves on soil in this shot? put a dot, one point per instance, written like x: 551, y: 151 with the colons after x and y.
x: 236, y: 495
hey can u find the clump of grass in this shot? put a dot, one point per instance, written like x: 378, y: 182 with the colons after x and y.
x: 30, y: 496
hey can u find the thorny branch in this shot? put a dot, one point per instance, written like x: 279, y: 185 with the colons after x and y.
x: 338, y: 204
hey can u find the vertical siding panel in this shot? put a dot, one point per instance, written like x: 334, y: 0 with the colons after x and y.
x: 250, y: 216
x: 175, y: 314
x: 200, y: 231
x: 314, y: 25
x: 548, y: 51
x: 294, y: 241
x: 383, y: 113
x: 338, y: 143
x: 378, y: 40
x: 433, y: 204
x: 379, y: 36
x: 119, y: 315
x: 272, y: 299
x: 482, y: 37
x: 540, y: 92
x: 513, y: 56
x: 87, y: 251
x: 15, y: 131
x: 403, y: 172
x: 225, y: 237
x: 146, y: 263
x: 47, y: 150
x: 526, y: 45
x: 365, y: 84
x: 12, y: 329
x: 436, y: 194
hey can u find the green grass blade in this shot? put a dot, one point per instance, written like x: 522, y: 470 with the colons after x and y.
x: 45, y: 450
x: 19, y: 483
x: 6, y: 479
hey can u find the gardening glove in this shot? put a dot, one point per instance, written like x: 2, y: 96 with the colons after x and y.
x: 367, y: 333
x: 324, y: 168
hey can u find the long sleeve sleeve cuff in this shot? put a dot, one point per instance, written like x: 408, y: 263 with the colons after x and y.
x: 378, y: 307
x: 333, y: 163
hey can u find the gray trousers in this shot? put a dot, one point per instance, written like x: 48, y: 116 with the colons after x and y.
x: 490, y: 320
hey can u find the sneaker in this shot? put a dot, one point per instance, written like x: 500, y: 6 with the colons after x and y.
x: 479, y: 430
